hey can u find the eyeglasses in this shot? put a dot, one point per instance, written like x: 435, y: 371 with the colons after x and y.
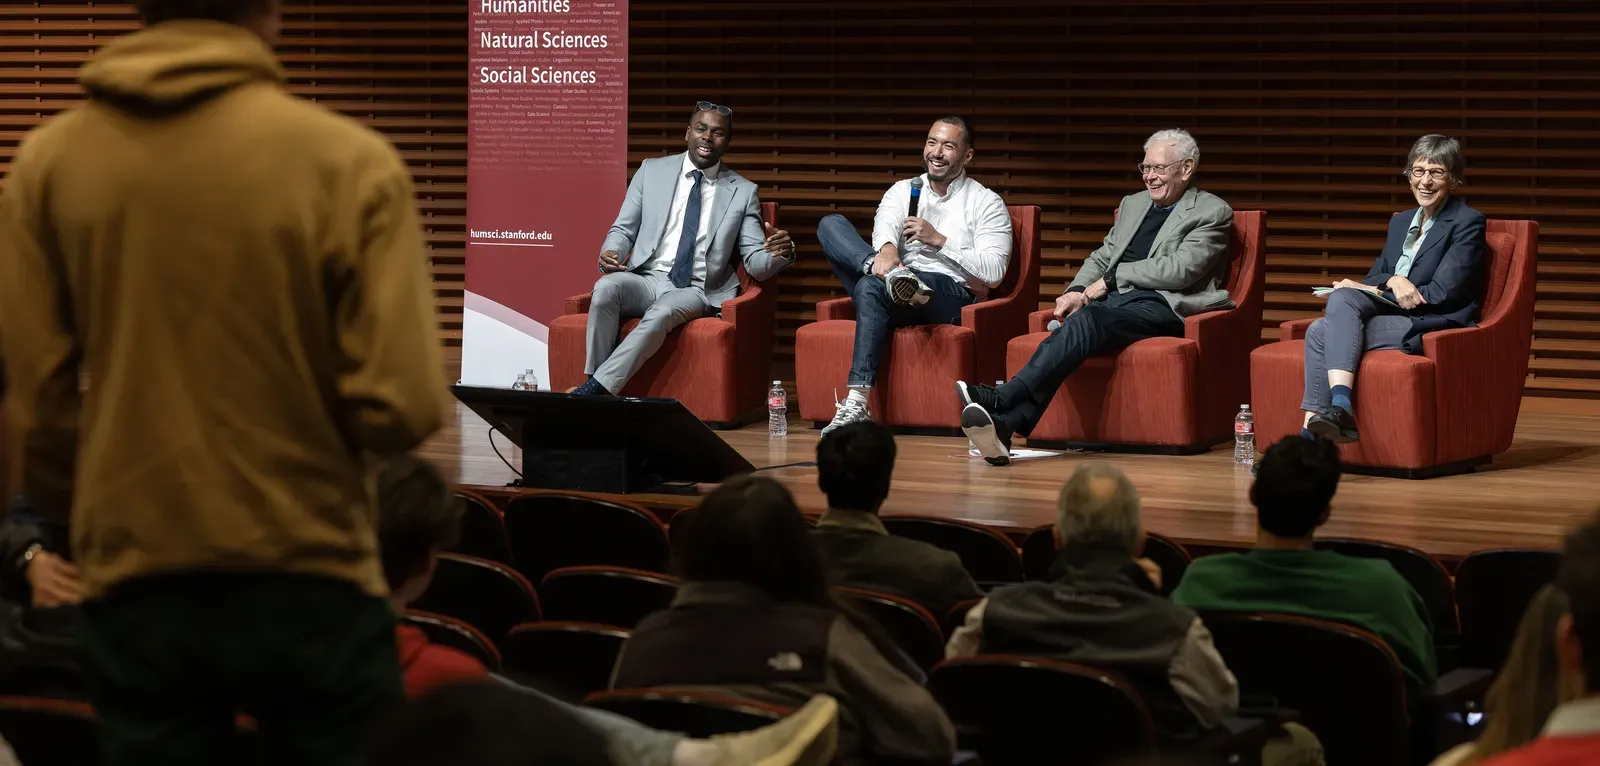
x: 1436, y: 174
x: 707, y: 106
x: 1159, y: 169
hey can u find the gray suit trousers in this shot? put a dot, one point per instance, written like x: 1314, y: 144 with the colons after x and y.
x: 627, y: 294
x: 1355, y: 324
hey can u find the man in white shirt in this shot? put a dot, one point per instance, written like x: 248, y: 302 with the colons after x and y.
x: 669, y: 256
x: 923, y: 268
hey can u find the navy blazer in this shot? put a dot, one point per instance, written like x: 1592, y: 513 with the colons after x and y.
x: 1447, y: 270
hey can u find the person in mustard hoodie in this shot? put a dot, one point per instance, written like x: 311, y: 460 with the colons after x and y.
x: 215, y: 315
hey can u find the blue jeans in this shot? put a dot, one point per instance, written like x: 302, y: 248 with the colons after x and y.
x: 631, y: 743
x: 876, y: 313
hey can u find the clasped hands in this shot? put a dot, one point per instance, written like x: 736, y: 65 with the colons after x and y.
x: 1405, y: 293
x: 1069, y: 303
x: 777, y: 243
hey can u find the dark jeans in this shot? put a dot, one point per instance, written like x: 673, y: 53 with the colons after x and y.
x: 1104, y: 326
x: 173, y: 659
x: 876, y: 313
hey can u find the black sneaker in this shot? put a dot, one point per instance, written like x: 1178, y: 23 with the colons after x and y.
x: 990, y: 436
x: 987, y: 397
x: 1336, y: 425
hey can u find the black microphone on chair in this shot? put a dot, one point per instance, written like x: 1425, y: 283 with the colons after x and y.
x: 916, y: 195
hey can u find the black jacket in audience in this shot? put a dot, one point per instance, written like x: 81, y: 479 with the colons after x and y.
x: 860, y: 553
x: 38, y: 647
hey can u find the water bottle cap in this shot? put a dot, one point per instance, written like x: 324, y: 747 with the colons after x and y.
x: 777, y: 382
x: 1244, y: 407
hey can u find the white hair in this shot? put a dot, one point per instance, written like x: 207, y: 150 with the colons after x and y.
x: 1089, y: 515
x: 1180, y: 140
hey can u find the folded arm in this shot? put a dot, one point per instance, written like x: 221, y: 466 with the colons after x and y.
x: 1196, y: 256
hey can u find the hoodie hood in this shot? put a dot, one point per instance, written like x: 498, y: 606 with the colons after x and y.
x: 175, y: 65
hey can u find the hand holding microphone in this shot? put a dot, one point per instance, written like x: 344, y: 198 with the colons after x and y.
x: 916, y: 229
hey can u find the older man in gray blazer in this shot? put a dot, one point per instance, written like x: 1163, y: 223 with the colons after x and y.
x: 1166, y: 258
x: 669, y: 256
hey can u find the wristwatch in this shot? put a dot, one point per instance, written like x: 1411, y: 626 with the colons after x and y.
x: 27, y: 555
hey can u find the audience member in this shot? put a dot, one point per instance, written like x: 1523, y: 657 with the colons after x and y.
x: 755, y: 618
x: 40, y: 592
x: 487, y: 724
x: 1529, y: 687
x: 217, y: 305
x: 1571, y: 735
x: 1285, y: 573
x: 854, y: 464
x: 1102, y: 607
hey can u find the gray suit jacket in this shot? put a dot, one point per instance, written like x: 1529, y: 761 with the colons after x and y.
x: 1188, y: 262
x: 735, y: 223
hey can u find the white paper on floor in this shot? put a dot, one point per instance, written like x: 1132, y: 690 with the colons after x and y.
x: 1019, y: 454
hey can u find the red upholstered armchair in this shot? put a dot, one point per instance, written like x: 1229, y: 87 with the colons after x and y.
x: 717, y: 367
x: 916, y: 386
x: 1175, y: 395
x: 1445, y: 411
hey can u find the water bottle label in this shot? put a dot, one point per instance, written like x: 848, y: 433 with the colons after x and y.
x: 774, y: 402
x: 1244, y: 428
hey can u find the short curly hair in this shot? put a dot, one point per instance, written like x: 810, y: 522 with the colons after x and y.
x: 229, y: 11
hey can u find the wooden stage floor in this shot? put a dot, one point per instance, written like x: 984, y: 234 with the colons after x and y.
x: 1529, y: 497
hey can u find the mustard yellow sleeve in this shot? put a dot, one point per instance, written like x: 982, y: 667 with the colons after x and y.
x: 392, y: 377
x: 37, y: 342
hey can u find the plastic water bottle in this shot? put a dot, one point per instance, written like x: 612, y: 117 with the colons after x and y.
x: 521, y: 384
x: 1244, y: 437
x: 533, y: 380
x: 777, y: 410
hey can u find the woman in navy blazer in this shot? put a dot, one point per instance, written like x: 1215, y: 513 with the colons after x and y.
x: 1426, y: 279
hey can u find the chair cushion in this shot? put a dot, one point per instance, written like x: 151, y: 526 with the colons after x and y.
x: 916, y: 391
x: 1147, y: 394
x: 695, y: 365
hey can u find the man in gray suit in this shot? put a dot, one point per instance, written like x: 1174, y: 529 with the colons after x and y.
x: 1166, y: 258
x: 669, y: 256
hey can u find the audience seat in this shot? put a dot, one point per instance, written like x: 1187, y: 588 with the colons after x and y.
x: 958, y: 615
x: 716, y: 365
x: 487, y: 595
x: 1447, y: 410
x: 1493, y: 589
x: 989, y: 556
x: 483, y: 529
x: 552, y: 530
x: 566, y: 660
x: 48, y: 732
x: 1426, y: 575
x: 1039, y: 554
x: 912, y: 627
x: 456, y: 634
x: 693, y: 713
x: 606, y: 595
x: 1163, y: 394
x: 917, y: 374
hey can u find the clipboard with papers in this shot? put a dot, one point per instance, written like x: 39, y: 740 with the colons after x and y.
x: 1324, y: 292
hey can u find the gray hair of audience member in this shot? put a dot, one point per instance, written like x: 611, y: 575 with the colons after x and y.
x: 1099, y: 508
x: 1440, y: 150
x: 1181, y: 141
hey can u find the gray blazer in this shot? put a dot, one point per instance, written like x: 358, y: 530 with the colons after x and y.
x: 1188, y: 262
x: 735, y: 222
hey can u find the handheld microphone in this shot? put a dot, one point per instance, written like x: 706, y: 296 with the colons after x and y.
x: 916, y: 195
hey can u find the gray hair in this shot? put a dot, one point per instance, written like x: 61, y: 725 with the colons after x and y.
x: 1438, y: 149
x: 1099, y: 508
x: 1180, y: 140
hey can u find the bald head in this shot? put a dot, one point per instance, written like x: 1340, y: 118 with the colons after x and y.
x: 1099, y: 508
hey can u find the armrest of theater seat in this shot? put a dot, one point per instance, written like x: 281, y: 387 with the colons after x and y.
x: 1456, y: 690
x: 1236, y: 740
x: 836, y: 308
x: 579, y: 304
x: 1039, y: 321
x: 1294, y: 329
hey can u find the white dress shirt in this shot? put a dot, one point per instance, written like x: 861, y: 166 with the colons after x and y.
x: 973, y: 220
x: 667, y: 252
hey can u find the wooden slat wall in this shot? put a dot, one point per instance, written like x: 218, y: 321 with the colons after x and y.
x: 1304, y: 109
x: 400, y: 67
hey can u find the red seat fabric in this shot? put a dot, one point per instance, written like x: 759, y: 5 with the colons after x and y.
x: 1170, y: 393
x: 718, y: 368
x: 1444, y: 411
x: 915, y: 385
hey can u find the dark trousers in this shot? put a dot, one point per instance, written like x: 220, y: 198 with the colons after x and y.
x: 1104, y: 326
x: 876, y: 314
x: 173, y: 659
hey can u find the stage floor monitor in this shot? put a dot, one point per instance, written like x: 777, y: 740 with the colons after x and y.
x: 604, y: 443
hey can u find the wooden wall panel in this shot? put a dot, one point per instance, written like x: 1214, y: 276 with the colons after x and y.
x: 1304, y: 109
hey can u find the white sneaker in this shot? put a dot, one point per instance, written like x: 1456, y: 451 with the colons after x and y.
x: 808, y: 737
x: 905, y: 287
x: 851, y: 410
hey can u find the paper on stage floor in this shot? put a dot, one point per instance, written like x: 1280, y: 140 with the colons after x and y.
x: 1019, y: 454
x: 1324, y: 292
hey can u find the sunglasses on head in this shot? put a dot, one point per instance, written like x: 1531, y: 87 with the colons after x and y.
x: 707, y: 106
